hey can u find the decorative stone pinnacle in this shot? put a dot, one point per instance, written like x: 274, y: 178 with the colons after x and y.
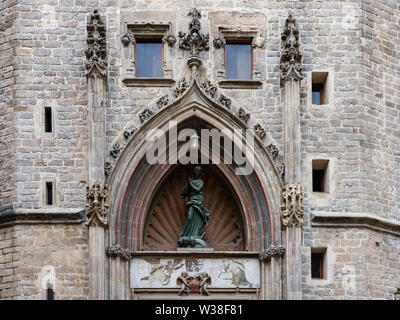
x: 292, y: 205
x: 96, y: 53
x: 96, y: 206
x: 290, y: 63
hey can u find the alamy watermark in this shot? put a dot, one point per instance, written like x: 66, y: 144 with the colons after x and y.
x: 212, y: 146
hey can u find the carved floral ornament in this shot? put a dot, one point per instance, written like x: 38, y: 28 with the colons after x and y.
x: 117, y: 251
x: 290, y: 63
x: 96, y: 53
x: 194, y: 41
x: 272, y: 251
x: 96, y: 206
x: 292, y: 205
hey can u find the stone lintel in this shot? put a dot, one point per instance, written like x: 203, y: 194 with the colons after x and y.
x: 240, y: 84
x: 12, y: 217
x: 354, y: 220
x: 149, y: 82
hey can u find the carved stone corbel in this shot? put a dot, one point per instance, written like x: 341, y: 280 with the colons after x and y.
x: 292, y: 205
x: 96, y: 206
x: 243, y: 115
x: 290, y: 63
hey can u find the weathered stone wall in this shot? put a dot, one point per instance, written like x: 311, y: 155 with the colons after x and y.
x: 31, y: 256
x: 356, y: 41
x: 361, y: 264
x: 7, y: 124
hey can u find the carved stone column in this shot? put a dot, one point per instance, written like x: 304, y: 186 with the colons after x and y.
x: 97, y: 210
x: 118, y: 261
x: 271, y: 266
x: 292, y: 205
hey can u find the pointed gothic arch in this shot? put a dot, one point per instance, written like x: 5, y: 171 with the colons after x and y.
x: 133, y: 182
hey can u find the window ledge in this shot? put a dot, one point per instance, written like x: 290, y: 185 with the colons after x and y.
x: 240, y: 84
x: 149, y: 82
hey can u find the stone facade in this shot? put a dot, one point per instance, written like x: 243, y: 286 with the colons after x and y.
x: 42, y: 50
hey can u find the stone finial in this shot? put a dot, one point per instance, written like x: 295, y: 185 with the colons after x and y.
x: 96, y: 53
x: 194, y: 41
x: 292, y: 205
x: 290, y: 63
x: 96, y: 206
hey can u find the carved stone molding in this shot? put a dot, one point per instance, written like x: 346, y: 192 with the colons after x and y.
x: 96, y: 206
x: 146, y: 114
x: 281, y: 170
x: 259, y: 131
x: 290, y: 63
x: 190, y: 284
x: 292, y: 205
x: 219, y: 42
x: 163, y: 101
x: 209, y: 88
x: 194, y: 41
x: 226, y: 102
x: 129, y: 133
x: 273, y: 251
x: 170, y: 39
x: 126, y: 39
x: 273, y: 150
x: 96, y: 53
x: 108, y: 167
x: 258, y: 42
x: 243, y: 115
x: 114, y: 152
x: 180, y: 88
x: 117, y: 251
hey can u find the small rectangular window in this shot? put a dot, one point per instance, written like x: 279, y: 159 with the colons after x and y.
x: 149, y: 59
x: 238, y: 61
x: 320, y: 88
x: 317, y: 93
x: 320, y: 175
x: 50, y: 293
x: 317, y: 264
x: 49, y: 193
x: 48, y: 121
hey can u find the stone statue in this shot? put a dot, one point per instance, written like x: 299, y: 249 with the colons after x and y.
x: 192, y: 232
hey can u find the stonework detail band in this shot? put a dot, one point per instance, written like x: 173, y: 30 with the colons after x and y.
x: 292, y: 205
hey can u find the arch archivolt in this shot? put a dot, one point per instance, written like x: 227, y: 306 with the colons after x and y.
x: 132, y: 182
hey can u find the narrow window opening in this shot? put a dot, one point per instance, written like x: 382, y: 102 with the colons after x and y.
x: 49, y: 193
x: 48, y: 125
x: 320, y: 88
x: 149, y: 58
x: 50, y: 292
x: 317, y: 264
x: 320, y: 176
x: 238, y: 60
